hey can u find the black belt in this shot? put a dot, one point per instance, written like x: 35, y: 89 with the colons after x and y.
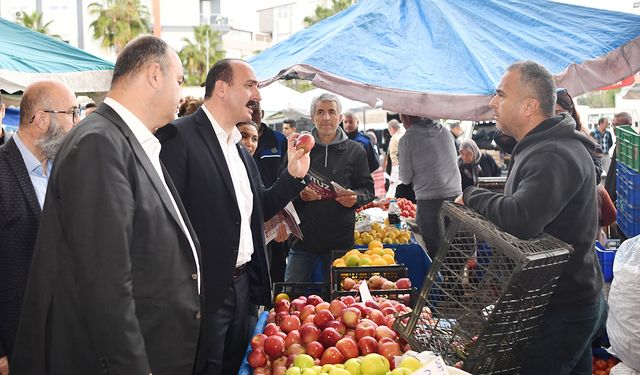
x: 239, y: 270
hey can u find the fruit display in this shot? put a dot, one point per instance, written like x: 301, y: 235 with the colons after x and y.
x: 311, y: 336
x: 407, y: 208
x: 376, y: 282
x: 381, y: 234
x: 375, y: 256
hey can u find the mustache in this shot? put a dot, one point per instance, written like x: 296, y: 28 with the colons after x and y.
x: 253, y: 104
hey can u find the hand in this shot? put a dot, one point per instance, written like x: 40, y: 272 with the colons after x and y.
x: 459, y: 200
x: 4, y: 365
x: 347, y: 200
x: 299, y: 160
x: 282, y: 234
x: 309, y: 194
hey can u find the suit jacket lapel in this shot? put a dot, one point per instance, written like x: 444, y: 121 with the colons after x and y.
x: 22, y: 176
x: 211, y: 139
x: 143, y: 159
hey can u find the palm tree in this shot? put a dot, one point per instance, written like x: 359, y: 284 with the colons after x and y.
x: 118, y: 21
x: 321, y: 13
x: 194, y: 54
x: 33, y: 21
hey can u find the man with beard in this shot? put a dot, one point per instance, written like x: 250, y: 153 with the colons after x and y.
x: 549, y: 189
x: 222, y: 191
x: 48, y: 110
x: 114, y: 286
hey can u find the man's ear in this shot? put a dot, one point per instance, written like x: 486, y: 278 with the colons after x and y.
x: 531, y: 106
x: 220, y: 88
x: 154, y: 74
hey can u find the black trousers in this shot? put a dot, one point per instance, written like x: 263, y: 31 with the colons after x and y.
x: 228, y: 330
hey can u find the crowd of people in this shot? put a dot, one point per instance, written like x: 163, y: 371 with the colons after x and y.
x: 143, y: 250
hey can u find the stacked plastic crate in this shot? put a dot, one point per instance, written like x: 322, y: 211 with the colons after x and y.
x: 628, y: 180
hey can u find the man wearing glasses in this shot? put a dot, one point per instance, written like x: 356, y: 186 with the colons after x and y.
x: 48, y: 110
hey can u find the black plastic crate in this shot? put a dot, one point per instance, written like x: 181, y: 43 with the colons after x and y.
x: 297, y: 289
x: 394, y: 294
x: 486, y: 291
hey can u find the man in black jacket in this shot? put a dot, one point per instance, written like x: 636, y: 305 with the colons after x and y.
x: 328, y: 224
x: 549, y: 189
x: 223, y: 194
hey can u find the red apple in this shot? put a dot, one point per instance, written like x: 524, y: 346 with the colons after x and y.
x: 388, y: 310
x: 280, y: 362
x: 331, y: 356
x: 403, y: 283
x: 271, y: 318
x: 367, y: 345
x: 348, y: 283
x: 314, y: 300
x: 279, y: 370
x: 274, y: 346
x: 347, y: 347
x: 365, y: 328
x: 350, y: 333
x: 322, y: 306
x: 329, y: 337
x: 262, y: 371
x: 385, y: 339
x: 360, y: 306
x: 377, y: 316
x: 306, y: 311
x: 305, y: 141
x: 389, y: 350
x: 373, y: 304
x: 389, y: 320
x: 314, y: 349
x: 348, y: 300
x: 338, y: 325
x: 297, y: 304
x: 290, y: 323
x: 387, y: 285
x: 375, y: 282
x: 271, y: 329
x: 309, y: 319
x: 295, y: 349
x: 336, y: 307
x: 384, y: 331
x: 293, y: 337
x: 280, y: 316
x: 257, y: 358
x: 257, y: 342
x: 350, y: 317
x: 281, y: 334
x: 322, y: 318
x: 282, y: 305
x: 309, y: 332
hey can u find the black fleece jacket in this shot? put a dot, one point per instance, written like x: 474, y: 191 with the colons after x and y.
x: 327, y: 225
x: 551, y: 189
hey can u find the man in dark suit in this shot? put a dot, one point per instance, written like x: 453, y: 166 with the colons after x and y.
x: 48, y: 111
x: 115, y: 279
x: 220, y: 186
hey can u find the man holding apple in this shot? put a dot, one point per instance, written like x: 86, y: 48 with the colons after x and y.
x: 227, y: 203
x: 327, y: 224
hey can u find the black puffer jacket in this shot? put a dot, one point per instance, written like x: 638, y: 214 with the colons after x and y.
x: 550, y: 189
x: 327, y: 225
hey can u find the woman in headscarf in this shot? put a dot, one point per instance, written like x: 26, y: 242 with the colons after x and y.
x: 473, y: 164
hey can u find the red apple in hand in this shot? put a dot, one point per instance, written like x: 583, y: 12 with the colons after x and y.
x: 305, y: 141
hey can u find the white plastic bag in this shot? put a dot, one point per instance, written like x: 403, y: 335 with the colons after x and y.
x: 623, y: 323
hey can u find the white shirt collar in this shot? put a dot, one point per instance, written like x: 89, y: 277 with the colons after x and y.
x: 140, y: 131
x: 230, y: 139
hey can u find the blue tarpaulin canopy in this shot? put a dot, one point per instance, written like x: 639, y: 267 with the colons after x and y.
x: 27, y: 56
x: 444, y: 59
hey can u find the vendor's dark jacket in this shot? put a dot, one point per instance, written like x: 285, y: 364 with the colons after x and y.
x: 372, y: 156
x: 326, y: 224
x: 550, y: 189
x: 271, y: 150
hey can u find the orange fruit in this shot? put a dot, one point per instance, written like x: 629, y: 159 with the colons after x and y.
x: 389, y: 259
x: 375, y: 244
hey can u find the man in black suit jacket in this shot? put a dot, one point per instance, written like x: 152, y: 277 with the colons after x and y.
x: 114, y: 285
x: 25, y: 162
x: 220, y: 186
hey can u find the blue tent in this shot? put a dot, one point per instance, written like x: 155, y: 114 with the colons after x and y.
x: 444, y: 58
x: 27, y: 56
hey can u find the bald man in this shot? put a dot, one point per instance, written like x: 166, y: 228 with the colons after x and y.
x: 47, y: 112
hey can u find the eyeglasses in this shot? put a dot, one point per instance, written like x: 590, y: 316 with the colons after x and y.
x: 75, y: 111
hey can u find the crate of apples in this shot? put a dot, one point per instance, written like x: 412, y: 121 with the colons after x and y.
x: 310, y: 334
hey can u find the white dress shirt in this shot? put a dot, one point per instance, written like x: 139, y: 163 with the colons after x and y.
x: 151, y: 147
x: 241, y: 186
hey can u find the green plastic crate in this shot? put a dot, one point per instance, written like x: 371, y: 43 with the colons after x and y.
x: 628, y: 146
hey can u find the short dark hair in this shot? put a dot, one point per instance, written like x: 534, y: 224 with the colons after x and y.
x: 539, y: 82
x: 90, y: 105
x: 252, y: 123
x: 137, y: 53
x: 602, y: 119
x: 222, y: 70
x: 292, y: 123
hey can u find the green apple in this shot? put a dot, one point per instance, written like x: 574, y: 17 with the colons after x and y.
x: 303, y: 361
x: 293, y: 371
x: 326, y: 369
x: 339, y: 371
x: 374, y: 364
x: 317, y: 369
x: 308, y: 371
x: 412, y: 363
x: 353, y: 366
x: 401, y: 371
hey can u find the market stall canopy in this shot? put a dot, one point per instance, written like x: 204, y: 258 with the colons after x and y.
x: 444, y: 59
x: 28, y: 56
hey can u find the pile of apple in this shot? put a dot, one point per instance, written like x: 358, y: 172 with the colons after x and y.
x: 376, y: 282
x: 330, y: 333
